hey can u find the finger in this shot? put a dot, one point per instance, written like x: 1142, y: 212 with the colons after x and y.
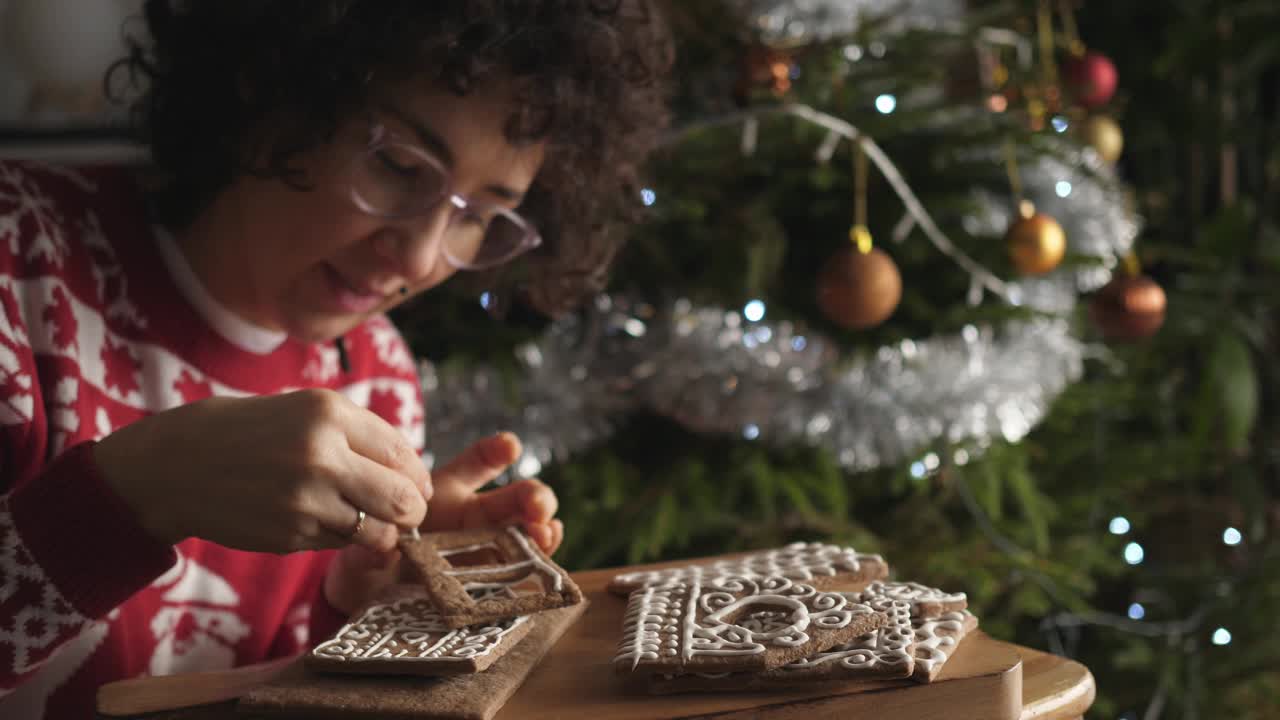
x: 375, y: 535
x: 320, y: 524
x: 483, y: 461
x: 372, y: 437
x: 557, y: 536
x: 355, y: 574
x: 528, y: 501
x: 540, y: 533
x: 345, y: 525
x: 358, y: 558
x: 382, y: 493
x: 540, y: 503
x: 326, y: 539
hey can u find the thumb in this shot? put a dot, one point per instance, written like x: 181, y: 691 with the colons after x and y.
x: 360, y: 559
x: 479, y: 464
x: 356, y: 573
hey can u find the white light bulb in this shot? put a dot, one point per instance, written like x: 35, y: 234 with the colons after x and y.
x: 1133, y: 553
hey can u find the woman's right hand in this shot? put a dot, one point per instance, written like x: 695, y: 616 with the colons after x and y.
x: 277, y: 474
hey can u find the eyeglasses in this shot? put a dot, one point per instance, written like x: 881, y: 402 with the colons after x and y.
x: 396, y: 180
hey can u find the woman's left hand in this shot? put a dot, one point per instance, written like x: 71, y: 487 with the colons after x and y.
x: 457, y: 505
x: 357, y: 573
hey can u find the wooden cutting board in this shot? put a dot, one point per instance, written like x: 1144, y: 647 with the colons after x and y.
x: 983, y: 680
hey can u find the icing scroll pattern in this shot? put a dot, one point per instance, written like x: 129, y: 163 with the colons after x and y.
x: 733, y: 618
x: 804, y: 562
x: 886, y: 651
x: 410, y: 630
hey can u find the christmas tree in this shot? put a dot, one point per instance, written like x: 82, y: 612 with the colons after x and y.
x: 902, y: 285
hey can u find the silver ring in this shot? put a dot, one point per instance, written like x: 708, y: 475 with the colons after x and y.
x: 360, y: 515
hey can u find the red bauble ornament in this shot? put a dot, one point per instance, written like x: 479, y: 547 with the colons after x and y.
x: 1130, y: 307
x: 1092, y: 79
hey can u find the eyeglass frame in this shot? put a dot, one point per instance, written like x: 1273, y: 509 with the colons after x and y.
x: 381, y: 137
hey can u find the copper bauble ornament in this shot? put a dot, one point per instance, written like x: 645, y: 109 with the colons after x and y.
x: 1104, y: 135
x: 1130, y: 307
x: 763, y: 69
x: 859, y: 290
x: 1036, y: 242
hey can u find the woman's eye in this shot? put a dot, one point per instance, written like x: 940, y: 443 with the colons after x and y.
x: 398, y: 163
x: 475, y: 219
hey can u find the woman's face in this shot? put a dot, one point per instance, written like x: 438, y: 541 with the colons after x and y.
x: 312, y: 263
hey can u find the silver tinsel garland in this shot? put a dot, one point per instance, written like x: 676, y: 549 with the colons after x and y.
x: 806, y: 21
x: 715, y: 372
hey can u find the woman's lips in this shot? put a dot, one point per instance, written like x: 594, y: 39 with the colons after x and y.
x: 350, y: 299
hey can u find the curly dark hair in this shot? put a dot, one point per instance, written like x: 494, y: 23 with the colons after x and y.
x: 589, y: 78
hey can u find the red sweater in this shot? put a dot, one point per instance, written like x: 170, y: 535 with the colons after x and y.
x: 99, y: 327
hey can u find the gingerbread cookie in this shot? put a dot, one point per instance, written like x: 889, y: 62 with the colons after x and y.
x: 400, y: 633
x: 299, y: 692
x: 926, y: 602
x: 881, y: 655
x: 476, y: 576
x: 936, y: 639
x: 736, y: 624
x: 817, y: 564
x: 916, y: 643
x: 885, y: 654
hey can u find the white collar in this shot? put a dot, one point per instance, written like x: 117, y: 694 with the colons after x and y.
x: 238, y: 331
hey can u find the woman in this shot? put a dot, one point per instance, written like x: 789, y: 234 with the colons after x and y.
x: 210, y: 433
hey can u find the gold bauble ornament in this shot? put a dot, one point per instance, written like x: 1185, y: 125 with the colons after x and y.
x: 1130, y: 307
x: 1104, y: 135
x: 859, y: 290
x: 1036, y: 242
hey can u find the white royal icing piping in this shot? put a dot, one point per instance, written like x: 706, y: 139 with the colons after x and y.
x: 450, y: 552
x: 488, y: 569
x: 534, y: 560
x: 646, y: 614
x: 400, y: 622
x: 650, y: 632
x: 889, y: 646
x: 797, y: 561
x: 914, y: 593
x: 929, y: 642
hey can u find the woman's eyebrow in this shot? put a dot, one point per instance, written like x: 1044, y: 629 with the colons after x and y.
x: 428, y: 137
x: 432, y: 141
x: 505, y: 193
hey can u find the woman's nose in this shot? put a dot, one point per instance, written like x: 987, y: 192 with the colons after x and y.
x: 415, y: 246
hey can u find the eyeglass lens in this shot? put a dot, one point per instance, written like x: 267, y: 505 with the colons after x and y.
x: 397, y: 180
